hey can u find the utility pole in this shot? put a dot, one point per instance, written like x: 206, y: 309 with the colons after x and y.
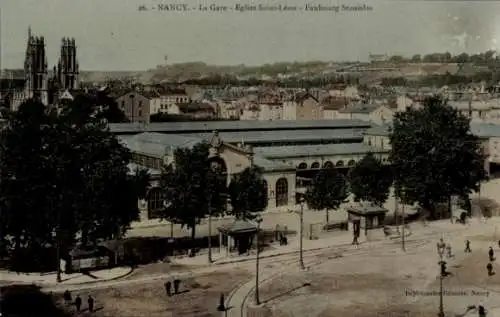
x: 257, y: 258
x: 441, y: 277
x: 301, y: 259
x: 210, y: 229
x: 58, y: 233
x: 403, y: 228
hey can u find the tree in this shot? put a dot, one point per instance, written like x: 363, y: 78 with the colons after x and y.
x: 328, y: 191
x: 64, y: 175
x: 248, y: 193
x: 434, y: 155
x: 191, y: 187
x: 370, y: 180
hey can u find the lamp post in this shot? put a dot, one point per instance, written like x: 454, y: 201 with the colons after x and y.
x: 210, y: 229
x: 258, y: 220
x: 58, y: 244
x: 403, y: 224
x: 440, y: 250
x: 301, y: 259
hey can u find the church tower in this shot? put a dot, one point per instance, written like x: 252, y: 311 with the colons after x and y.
x: 67, y: 67
x: 35, y: 68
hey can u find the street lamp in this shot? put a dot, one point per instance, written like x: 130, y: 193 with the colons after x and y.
x: 440, y: 249
x: 258, y: 220
x: 58, y: 232
x: 301, y: 259
x: 210, y: 229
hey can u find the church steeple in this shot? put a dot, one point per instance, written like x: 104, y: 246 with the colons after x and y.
x: 35, y: 68
x: 67, y: 66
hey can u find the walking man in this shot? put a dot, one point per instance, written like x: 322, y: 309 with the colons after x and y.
x: 67, y: 297
x: 489, y: 268
x: 78, y: 303
x: 491, y: 254
x: 467, y: 246
x: 90, y: 301
x: 481, y: 312
x: 168, y: 288
x: 448, y: 250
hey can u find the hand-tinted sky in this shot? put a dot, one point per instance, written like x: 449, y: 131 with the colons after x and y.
x: 114, y: 35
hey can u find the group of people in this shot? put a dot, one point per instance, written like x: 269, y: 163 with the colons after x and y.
x: 168, y: 287
x: 78, y: 301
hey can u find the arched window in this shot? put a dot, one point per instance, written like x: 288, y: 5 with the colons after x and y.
x: 281, y: 192
x: 328, y: 164
x: 302, y: 166
x: 155, y: 203
x: 315, y: 165
x: 351, y: 163
x: 340, y: 164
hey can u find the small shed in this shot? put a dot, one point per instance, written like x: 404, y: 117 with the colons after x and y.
x: 85, y: 258
x: 366, y: 215
x: 238, y: 234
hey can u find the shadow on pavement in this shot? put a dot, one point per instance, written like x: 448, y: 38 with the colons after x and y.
x: 28, y: 300
x: 286, y: 293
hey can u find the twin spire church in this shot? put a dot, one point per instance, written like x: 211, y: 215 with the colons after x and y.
x: 64, y: 77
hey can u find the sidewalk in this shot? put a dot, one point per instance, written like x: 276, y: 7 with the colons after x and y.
x: 8, y: 277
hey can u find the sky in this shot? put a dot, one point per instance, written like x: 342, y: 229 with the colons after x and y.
x: 115, y: 35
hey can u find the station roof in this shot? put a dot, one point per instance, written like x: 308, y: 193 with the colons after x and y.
x: 232, y: 126
x: 485, y: 130
x: 314, y: 150
x: 158, y: 144
x: 481, y: 130
x: 132, y: 167
x: 382, y: 130
x: 255, y: 137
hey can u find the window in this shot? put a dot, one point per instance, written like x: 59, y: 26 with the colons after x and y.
x: 302, y: 166
x: 140, y: 104
x: 351, y: 163
x: 155, y: 203
x: 123, y: 105
x: 340, y: 163
x: 315, y: 165
x: 281, y: 192
x: 328, y: 165
x: 140, y: 113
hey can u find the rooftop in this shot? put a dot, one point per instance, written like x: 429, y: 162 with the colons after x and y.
x: 313, y: 150
x: 255, y: 137
x: 157, y: 145
x: 233, y: 126
x: 360, y: 108
x: 132, y: 167
x: 382, y: 130
x: 481, y: 130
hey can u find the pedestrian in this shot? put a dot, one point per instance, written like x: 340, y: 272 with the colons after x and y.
x: 499, y: 243
x: 90, y: 301
x: 67, y: 297
x: 177, y: 283
x: 491, y: 254
x: 467, y: 246
x: 489, y: 268
x: 78, y: 303
x: 168, y: 288
x: 355, y: 239
x: 221, y: 306
x: 448, y: 250
x: 481, y: 312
